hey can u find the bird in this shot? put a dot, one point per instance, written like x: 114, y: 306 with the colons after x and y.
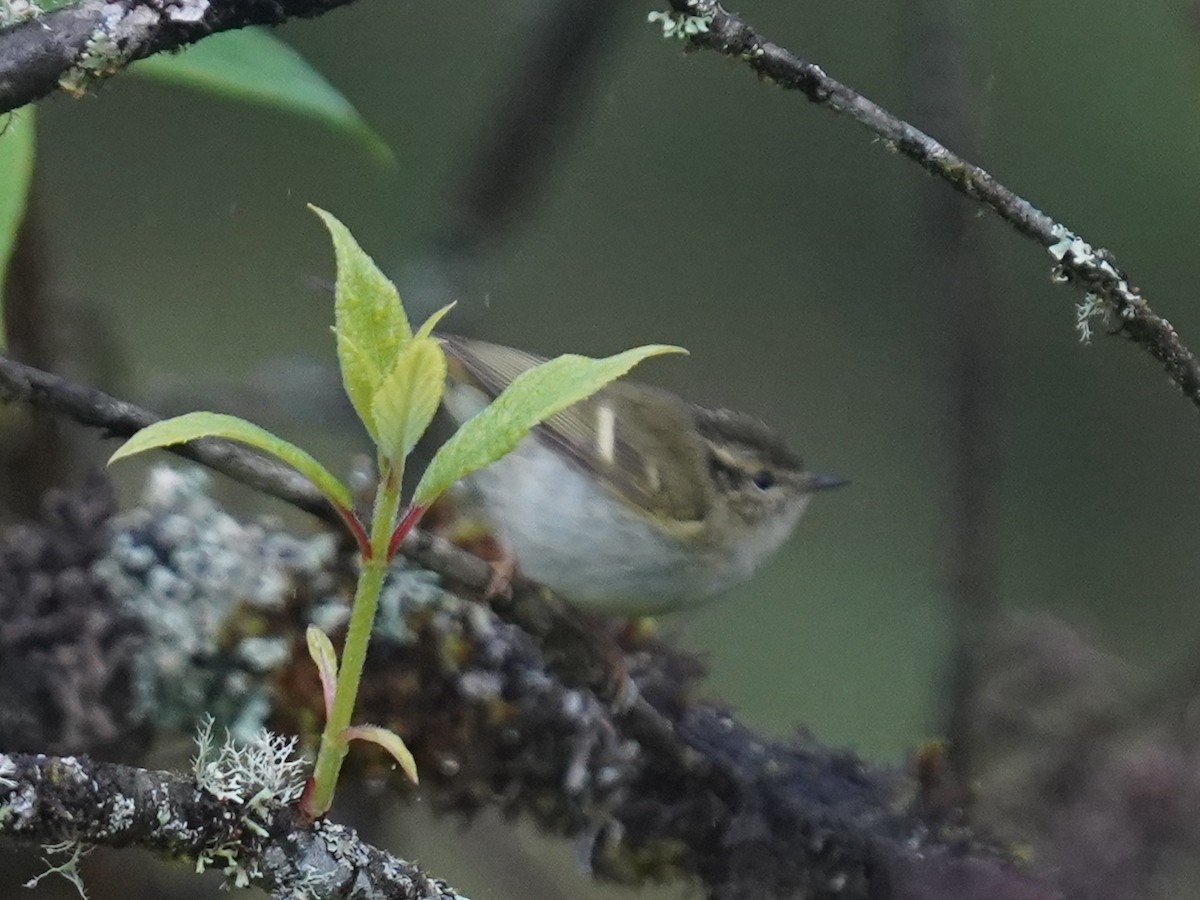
x: 634, y: 501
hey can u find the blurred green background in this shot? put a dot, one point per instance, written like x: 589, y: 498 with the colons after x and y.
x: 780, y: 244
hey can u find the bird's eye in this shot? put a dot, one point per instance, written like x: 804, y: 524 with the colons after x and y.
x: 763, y: 479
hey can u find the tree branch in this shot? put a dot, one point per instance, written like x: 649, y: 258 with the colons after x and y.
x: 1094, y: 271
x: 120, y: 419
x: 77, y: 44
x: 79, y: 403
x: 489, y: 717
x: 51, y: 799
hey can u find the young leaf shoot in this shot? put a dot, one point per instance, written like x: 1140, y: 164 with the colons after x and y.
x: 395, y: 381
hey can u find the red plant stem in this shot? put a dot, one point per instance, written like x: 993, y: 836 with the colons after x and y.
x: 356, y: 529
x: 411, y: 517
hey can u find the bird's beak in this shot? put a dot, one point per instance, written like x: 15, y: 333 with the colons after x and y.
x: 818, y: 482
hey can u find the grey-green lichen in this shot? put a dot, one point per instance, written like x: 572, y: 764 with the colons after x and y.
x: 68, y: 868
x: 216, y: 601
x: 1092, y: 306
x: 680, y: 26
x: 187, y: 570
x: 120, y: 33
x: 1074, y: 257
x: 259, y: 775
x: 13, y: 12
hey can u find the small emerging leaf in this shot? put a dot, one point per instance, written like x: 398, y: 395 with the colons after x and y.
x: 320, y: 648
x: 432, y: 321
x: 406, y: 401
x: 533, y: 397
x: 195, y: 425
x: 370, y: 326
x: 389, y: 741
x: 16, y: 164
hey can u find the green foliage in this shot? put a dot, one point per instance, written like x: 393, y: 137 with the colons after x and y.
x: 389, y: 741
x: 406, y: 400
x: 371, y: 326
x: 254, y: 66
x: 320, y: 649
x: 16, y: 169
x: 395, y: 381
x: 192, y: 426
x: 533, y: 397
x: 248, y: 64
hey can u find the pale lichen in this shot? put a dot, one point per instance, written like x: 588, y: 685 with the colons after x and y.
x: 120, y: 33
x: 1093, y: 306
x: 189, y: 572
x: 257, y: 774
x: 68, y: 869
x: 13, y: 12
x: 1076, y: 260
x: 680, y: 26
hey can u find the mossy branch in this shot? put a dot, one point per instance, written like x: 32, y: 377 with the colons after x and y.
x: 50, y: 799
x: 83, y: 42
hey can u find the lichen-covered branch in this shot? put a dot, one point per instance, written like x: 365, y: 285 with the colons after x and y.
x: 491, y: 717
x: 93, y: 39
x: 705, y: 23
x: 48, y: 799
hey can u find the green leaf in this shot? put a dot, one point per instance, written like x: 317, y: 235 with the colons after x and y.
x: 255, y: 66
x: 406, y: 401
x: 320, y: 648
x: 371, y: 325
x: 195, y: 425
x: 16, y: 169
x: 534, y: 396
x: 389, y: 741
x: 432, y: 321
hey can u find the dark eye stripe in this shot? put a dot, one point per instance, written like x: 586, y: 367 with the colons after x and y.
x: 724, y: 474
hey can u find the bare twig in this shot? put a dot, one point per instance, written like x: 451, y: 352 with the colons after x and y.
x: 82, y: 42
x: 1093, y: 270
x: 79, y: 800
x: 117, y: 418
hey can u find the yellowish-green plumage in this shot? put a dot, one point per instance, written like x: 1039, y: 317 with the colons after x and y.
x: 632, y: 501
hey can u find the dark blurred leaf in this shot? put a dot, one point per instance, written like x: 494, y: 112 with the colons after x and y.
x: 252, y: 65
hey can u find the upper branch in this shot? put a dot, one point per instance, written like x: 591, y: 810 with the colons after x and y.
x: 94, y: 39
x: 50, y: 799
x: 1093, y: 270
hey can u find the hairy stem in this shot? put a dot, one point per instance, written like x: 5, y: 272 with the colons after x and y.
x: 354, y: 653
